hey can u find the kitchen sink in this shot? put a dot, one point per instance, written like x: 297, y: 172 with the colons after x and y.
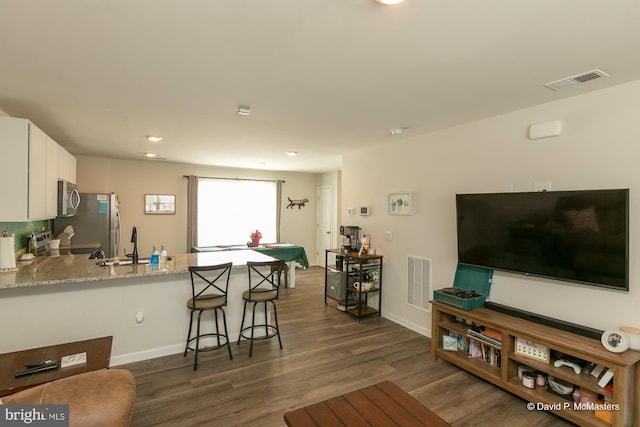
x: 106, y: 262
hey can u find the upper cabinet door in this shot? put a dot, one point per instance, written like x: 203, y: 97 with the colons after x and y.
x: 66, y: 166
x: 51, y: 201
x: 37, y: 172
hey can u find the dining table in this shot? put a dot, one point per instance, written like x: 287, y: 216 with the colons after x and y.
x: 290, y: 253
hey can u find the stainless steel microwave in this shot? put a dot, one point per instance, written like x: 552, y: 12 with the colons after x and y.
x: 68, y: 199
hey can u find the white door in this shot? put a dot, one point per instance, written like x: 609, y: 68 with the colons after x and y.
x: 324, y: 238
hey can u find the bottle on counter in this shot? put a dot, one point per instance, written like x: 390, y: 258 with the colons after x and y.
x: 164, y: 256
x: 155, y: 256
x: 33, y: 245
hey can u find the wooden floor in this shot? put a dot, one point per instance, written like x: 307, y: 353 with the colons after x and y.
x: 326, y: 353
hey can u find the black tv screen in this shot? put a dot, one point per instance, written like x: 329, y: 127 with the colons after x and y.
x: 576, y: 236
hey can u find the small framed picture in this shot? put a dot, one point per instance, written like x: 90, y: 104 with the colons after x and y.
x: 400, y: 204
x: 160, y: 204
x: 449, y: 343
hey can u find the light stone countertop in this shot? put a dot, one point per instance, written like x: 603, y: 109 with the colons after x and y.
x: 43, y: 271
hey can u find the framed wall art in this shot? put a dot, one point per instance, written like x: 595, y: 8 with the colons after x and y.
x: 400, y: 204
x: 162, y: 204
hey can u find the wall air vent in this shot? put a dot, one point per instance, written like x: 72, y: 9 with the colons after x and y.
x: 419, y: 283
x: 576, y: 80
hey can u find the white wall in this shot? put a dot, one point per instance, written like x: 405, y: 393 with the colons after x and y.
x: 599, y: 148
x: 132, y: 179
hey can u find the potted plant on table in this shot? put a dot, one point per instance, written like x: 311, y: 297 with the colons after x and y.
x: 255, y: 239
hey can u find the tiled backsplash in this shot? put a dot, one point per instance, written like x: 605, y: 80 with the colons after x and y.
x: 22, y: 230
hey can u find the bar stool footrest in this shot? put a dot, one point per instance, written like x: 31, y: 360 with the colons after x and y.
x: 273, y: 331
x: 222, y: 344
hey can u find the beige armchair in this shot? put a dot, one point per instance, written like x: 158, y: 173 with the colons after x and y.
x: 98, y: 398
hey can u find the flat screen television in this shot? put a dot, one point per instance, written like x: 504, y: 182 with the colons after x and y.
x: 576, y: 236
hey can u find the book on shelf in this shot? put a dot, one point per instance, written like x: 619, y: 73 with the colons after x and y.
x: 597, y: 371
x: 475, y: 348
x: 449, y: 343
x: 605, y: 378
x: 462, y: 340
x: 484, y: 338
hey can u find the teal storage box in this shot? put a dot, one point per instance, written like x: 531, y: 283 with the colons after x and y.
x: 467, y: 279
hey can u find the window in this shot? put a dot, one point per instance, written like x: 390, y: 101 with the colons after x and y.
x: 230, y: 210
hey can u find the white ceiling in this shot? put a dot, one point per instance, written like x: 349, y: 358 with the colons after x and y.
x: 322, y: 77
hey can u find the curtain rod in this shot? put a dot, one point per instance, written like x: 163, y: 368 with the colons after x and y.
x: 237, y: 179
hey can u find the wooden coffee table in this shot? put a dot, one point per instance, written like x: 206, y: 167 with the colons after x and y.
x: 98, y: 356
x: 383, y: 404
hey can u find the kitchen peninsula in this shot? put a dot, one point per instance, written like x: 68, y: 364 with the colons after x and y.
x: 70, y: 298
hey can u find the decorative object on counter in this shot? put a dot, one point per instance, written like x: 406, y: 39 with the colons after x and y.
x: 7, y: 255
x: 400, y: 204
x: 66, y: 235
x: 255, y: 239
x: 615, y: 341
x: 365, y: 241
x: 300, y: 203
x: 155, y: 256
x: 364, y: 286
x: 164, y: 256
x: 532, y: 350
x: 33, y: 245
x: 163, y: 204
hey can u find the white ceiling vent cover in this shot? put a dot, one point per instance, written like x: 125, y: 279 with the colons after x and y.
x: 576, y: 80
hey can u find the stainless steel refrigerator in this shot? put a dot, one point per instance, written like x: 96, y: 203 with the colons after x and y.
x: 97, y: 220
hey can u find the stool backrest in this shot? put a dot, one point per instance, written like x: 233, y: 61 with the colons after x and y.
x: 265, y: 275
x: 215, y: 280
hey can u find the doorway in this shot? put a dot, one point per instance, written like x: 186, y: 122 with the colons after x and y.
x: 324, y: 227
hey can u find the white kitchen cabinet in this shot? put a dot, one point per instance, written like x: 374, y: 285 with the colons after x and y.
x: 66, y: 166
x: 51, y: 198
x: 28, y: 176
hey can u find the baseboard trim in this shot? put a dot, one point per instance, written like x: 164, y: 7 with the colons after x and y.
x: 151, y: 353
x: 409, y: 325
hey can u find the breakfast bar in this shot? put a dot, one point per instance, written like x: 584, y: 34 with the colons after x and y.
x: 71, y: 298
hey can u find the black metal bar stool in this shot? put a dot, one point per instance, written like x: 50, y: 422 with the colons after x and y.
x: 264, y: 287
x: 208, y: 295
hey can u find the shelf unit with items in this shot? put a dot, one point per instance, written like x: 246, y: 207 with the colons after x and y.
x: 341, y: 277
x: 528, y: 346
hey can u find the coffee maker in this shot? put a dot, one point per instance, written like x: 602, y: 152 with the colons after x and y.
x: 350, y: 238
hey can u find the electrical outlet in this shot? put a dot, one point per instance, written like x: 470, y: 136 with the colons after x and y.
x: 139, y: 318
x: 542, y: 186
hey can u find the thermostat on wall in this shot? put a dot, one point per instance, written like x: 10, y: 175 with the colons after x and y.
x: 364, y: 210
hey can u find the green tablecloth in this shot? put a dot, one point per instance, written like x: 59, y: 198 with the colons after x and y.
x: 283, y: 251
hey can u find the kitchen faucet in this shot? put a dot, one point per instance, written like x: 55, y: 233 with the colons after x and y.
x: 134, y: 240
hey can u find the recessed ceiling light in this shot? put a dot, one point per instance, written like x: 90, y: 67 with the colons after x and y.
x: 396, y: 131
x: 292, y: 153
x: 154, y: 138
x: 150, y: 155
x: 388, y: 2
x: 244, y: 111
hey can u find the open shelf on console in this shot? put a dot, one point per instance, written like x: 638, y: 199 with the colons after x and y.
x: 448, y: 319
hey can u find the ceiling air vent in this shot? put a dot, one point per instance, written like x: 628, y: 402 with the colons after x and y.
x: 576, y: 80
